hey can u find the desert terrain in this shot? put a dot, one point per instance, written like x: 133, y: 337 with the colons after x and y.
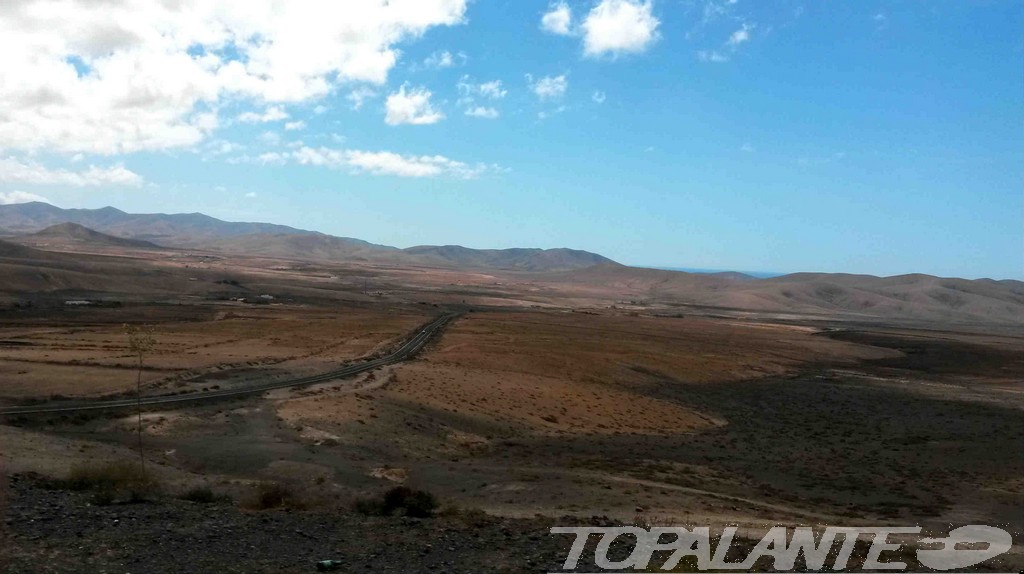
x: 566, y: 388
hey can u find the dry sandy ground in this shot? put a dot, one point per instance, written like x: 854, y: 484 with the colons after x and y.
x: 84, y: 352
x: 692, y: 420
x: 558, y: 373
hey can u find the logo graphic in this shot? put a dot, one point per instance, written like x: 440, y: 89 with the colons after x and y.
x: 995, y: 540
x: 964, y: 547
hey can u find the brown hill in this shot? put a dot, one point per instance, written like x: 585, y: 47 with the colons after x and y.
x: 310, y: 246
x: 177, y: 229
x: 75, y: 235
x: 513, y: 259
x: 195, y: 230
x: 912, y: 297
x: 27, y: 271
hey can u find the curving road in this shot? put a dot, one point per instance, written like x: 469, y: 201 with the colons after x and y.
x: 406, y: 351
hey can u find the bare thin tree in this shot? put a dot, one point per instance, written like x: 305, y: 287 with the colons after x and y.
x: 140, y: 342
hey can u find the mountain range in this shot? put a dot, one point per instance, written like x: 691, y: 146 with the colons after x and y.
x: 36, y: 222
x: 48, y: 249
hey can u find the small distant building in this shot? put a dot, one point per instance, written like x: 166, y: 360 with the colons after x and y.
x: 77, y: 302
x: 267, y: 297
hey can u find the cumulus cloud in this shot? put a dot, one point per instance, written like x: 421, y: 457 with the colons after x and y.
x: 469, y: 91
x: 296, y: 125
x: 492, y: 90
x: 599, y: 97
x: 272, y: 158
x: 444, y: 59
x: 150, y: 74
x: 13, y: 170
x: 482, y: 112
x: 615, y: 27
x: 549, y: 87
x: 557, y: 20
x: 388, y: 163
x: 11, y: 197
x: 739, y: 36
x: 272, y: 114
x: 360, y: 96
x: 411, y: 106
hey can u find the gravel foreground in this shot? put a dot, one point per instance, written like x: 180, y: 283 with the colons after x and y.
x: 45, y: 531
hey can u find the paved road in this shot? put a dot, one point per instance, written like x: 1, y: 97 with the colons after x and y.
x: 407, y: 350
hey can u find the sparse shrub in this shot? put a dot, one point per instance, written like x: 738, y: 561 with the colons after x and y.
x: 414, y: 503
x: 203, y: 495
x: 111, y: 481
x: 369, y: 506
x: 269, y: 495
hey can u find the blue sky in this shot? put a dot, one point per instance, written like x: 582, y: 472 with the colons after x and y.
x: 862, y: 137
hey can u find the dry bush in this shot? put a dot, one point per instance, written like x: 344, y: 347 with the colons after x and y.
x: 269, y: 495
x: 111, y: 482
x: 204, y: 495
x: 414, y: 503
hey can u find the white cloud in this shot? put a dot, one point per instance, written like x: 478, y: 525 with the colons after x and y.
x: 598, y: 97
x: 272, y: 114
x: 616, y: 27
x: 250, y: 194
x: 492, y: 90
x: 10, y: 197
x: 739, y: 36
x: 411, y: 106
x: 389, y: 163
x: 444, y: 59
x: 439, y: 60
x: 728, y: 48
x: 482, y: 112
x: 712, y: 56
x: 747, y: 147
x: 549, y: 87
x: 360, y: 95
x: 116, y: 77
x: 270, y: 138
x: 557, y: 20
x: 272, y: 158
x: 543, y: 114
x: 13, y: 170
x: 220, y: 147
x: 296, y: 125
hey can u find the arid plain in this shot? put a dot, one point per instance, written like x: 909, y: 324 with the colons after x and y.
x: 632, y: 394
